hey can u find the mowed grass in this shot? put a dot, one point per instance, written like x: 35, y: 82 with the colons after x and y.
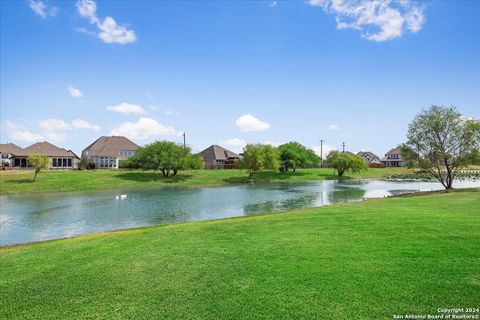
x: 21, y: 181
x: 368, y: 260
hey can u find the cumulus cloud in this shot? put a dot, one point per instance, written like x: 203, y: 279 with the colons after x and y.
x: 236, y: 144
x: 53, y: 130
x: 18, y: 132
x: 82, y: 124
x: 377, y: 20
x: 144, y: 128
x: 127, y: 108
x: 333, y: 127
x: 108, y: 29
x: 74, y: 92
x: 54, y: 125
x: 42, y: 10
x: 248, y: 123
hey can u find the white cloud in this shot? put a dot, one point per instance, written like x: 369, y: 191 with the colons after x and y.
x: 127, y: 108
x: 42, y: 10
x: 234, y: 143
x: 53, y: 130
x: 88, y: 9
x: 326, y: 149
x: 376, y: 20
x: 109, y: 30
x: 19, y: 133
x: 274, y: 144
x: 54, y: 125
x: 144, y: 128
x: 82, y: 124
x: 74, y: 92
x: 113, y: 33
x: 248, y: 123
x: 333, y: 127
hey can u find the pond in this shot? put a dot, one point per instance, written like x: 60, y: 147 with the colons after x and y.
x: 37, y: 217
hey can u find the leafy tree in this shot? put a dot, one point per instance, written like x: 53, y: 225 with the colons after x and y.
x: 346, y: 161
x: 294, y: 155
x: 442, y: 141
x: 257, y: 157
x: 38, y: 162
x: 85, y: 163
x: 166, y: 156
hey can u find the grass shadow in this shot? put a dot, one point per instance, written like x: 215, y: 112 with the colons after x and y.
x: 236, y: 180
x: 153, y: 177
x: 19, y: 181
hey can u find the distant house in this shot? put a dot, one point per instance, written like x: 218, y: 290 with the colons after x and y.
x: 393, y: 158
x: 106, y: 152
x: 216, y: 157
x: 59, y: 158
x: 7, y: 152
x: 371, y: 159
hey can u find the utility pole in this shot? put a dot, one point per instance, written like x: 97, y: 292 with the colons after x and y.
x: 183, y: 134
x: 321, y: 153
x: 343, y: 146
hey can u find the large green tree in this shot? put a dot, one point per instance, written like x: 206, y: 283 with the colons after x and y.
x: 38, y: 162
x: 441, y: 141
x: 166, y: 156
x: 346, y: 161
x: 294, y: 155
x: 257, y: 157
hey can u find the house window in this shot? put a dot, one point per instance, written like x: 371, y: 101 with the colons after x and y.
x: 54, y: 162
x: 108, y: 162
x: 4, y: 156
x: 126, y: 153
x: 69, y: 162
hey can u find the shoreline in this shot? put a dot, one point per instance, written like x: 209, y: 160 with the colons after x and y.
x: 107, y: 232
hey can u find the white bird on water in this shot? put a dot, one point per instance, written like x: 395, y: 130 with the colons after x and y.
x: 117, y: 197
x: 122, y: 196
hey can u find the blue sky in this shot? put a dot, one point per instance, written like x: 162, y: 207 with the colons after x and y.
x: 231, y: 72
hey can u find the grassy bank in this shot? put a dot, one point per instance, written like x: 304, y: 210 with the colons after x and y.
x: 366, y: 260
x: 21, y: 181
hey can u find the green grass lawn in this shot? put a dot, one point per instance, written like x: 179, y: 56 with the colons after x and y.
x: 365, y: 260
x: 21, y: 181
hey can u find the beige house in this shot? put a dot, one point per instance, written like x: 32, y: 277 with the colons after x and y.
x: 7, y: 152
x: 216, y: 157
x: 393, y: 158
x: 59, y: 158
x: 371, y: 159
x: 106, y: 152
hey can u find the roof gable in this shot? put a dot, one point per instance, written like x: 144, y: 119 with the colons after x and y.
x: 110, y: 146
x: 46, y: 148
x: 216, y: 152
x: 9, y: 148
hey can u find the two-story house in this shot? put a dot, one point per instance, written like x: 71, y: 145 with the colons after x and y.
x: 106, y: 152
x: 393, y: 158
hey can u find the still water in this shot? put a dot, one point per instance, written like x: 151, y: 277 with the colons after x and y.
x: 36, y: 217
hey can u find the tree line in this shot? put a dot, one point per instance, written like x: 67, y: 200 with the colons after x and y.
x: 440, y: 141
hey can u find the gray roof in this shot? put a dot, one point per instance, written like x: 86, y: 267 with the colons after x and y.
x: 9, y: 148
x: 218, y: 153
x: 47, y: 149
x: 364, y: 154
x: 110, y: 146
x: 393, y: 151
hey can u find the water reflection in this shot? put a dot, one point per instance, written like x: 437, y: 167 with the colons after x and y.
x: 36, y: 217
